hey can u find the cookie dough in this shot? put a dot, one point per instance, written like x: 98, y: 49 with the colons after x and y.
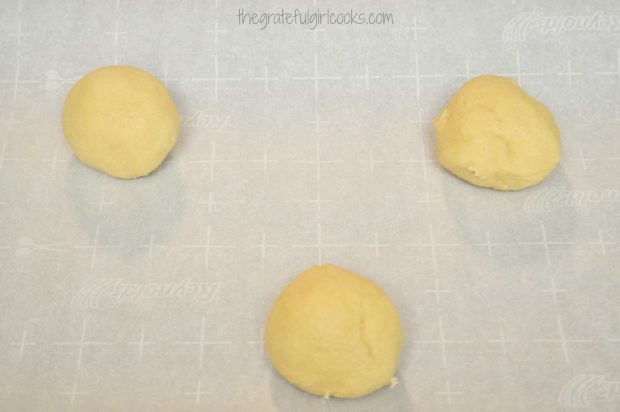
x: 120, y: 120
x: 492, y: 134
x: 332, y: 332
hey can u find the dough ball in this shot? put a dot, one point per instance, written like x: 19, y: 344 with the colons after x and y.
x: 333, y: 333
x: 120, y: 120
x: 492, y: 134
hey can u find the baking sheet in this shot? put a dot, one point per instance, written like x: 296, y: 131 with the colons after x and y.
x: 301, y: 147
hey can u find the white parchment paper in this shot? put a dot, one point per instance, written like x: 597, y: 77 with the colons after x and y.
x: 301, y: 147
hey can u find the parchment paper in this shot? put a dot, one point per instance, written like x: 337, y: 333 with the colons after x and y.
x: 301, y: 147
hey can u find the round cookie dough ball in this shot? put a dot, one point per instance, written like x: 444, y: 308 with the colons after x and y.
x: 492, y: 134
x: 333, y: 333
x: 120, y: 120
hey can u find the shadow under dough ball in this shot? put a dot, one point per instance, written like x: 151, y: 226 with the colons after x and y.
x: 332, y: 332
x: 120, y: 120
x: 492, y: 134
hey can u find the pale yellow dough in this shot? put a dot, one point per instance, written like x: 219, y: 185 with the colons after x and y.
x: 332, y: 332
x: 120, y: 120
x: 492, y: 134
